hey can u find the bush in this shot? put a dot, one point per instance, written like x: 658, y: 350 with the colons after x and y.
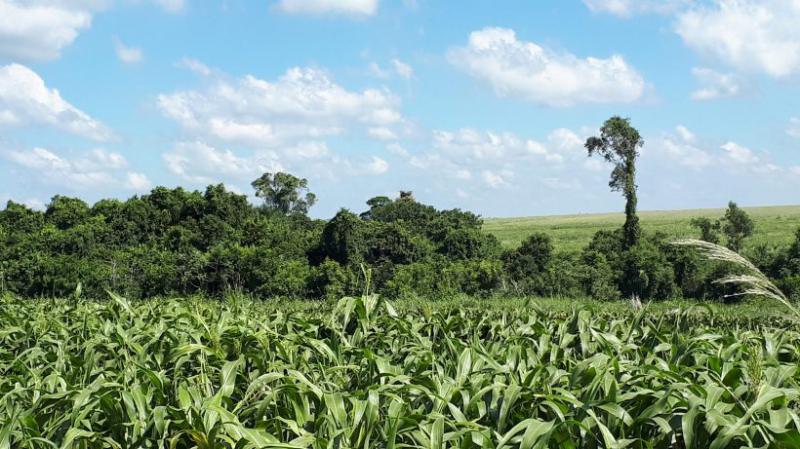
x: 331, y: 280
x: 526, y: 266
x: 646, y: 272
x: 596, y: 276
x: 464, y: 244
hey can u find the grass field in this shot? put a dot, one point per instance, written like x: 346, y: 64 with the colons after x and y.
x: 775, y: 225
x: 364, y: 373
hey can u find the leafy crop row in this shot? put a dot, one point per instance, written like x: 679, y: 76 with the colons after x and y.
x: 203, y: 374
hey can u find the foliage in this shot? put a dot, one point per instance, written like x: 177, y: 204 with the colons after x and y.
x: 619, y: 144
x: 527, y: 265
x: 366, y: 373
x: 737, y: 226
x: 214, y: 242
x: 709, y: 230
x: 284, y: 193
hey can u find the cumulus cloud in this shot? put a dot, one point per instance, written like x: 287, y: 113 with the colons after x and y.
x: 739, y: 154
x: 687, y: 154
x: 472, y: 145
x: 524, y: 69
x: 126, y: 54
x: 317, y: 7
x: 302, y: 104
x: 629, y: 8
x: 495, y: 180
x: 38, y: 30
x: 377, y: 166
x: 683, y: 147
x: 493, y: 158
x: 714, y: 84
x: 199, y: 162
x: 137, y: 181
x: 96, y: 168
x: 382, y: 133
x: 25, y: 99
x: 754, y: 35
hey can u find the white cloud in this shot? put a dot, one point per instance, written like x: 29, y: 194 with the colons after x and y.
x: 97, y: 168
x: 35, y: 204
x: 138, y: 182
x: 308, y: 150
x: 493, y: 179
x: 453, y: 158
x: 739, y: 154
x: 553, y: 183
x: 402, y: 69
x: 396, y: 68
x: 753, y: 35
x: 524, y: 69
x: 316, y: 7
x: 565, y: 141
x: 795, y: 170
x: 195, y: 66
x: 377, y: 166
x: 128, y: 55
x: 595, y: 165
x: 793, y: 129
x: 683, y: 148
x: 397, y: 150
x: 715, y: 84
x: 629, y: 8
x: 198, y: 162
x: 302, y: 104
x: 25, y: 99
x: 685, y: 134
x: 37, y: 30
x: 470, y: 145
x: 382, y: 133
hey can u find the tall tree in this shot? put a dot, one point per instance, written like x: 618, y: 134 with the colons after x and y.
x: 737, y: 226
x: 619, y: 144
x: 284, y: 192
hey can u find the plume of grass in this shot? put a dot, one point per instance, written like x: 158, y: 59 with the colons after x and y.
x: 754, y: 283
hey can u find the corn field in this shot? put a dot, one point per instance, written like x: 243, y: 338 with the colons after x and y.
x: 364, y: 374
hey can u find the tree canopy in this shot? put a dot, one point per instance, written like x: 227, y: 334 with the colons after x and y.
x: 619, y: 143
x: 284, y: 192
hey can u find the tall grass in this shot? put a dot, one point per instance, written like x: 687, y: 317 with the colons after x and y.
x: 753, y: 283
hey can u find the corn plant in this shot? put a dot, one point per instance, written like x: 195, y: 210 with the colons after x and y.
x: 366, y: 373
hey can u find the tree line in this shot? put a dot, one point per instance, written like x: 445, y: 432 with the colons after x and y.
x: 180, y: 242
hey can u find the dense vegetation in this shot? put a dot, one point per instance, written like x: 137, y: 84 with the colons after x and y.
x: 178, y: 242
x: 363, y: 373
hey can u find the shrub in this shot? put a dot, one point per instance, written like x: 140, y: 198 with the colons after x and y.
x: 646, y: 272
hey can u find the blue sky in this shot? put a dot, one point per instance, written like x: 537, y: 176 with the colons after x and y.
x: 471, y: 104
